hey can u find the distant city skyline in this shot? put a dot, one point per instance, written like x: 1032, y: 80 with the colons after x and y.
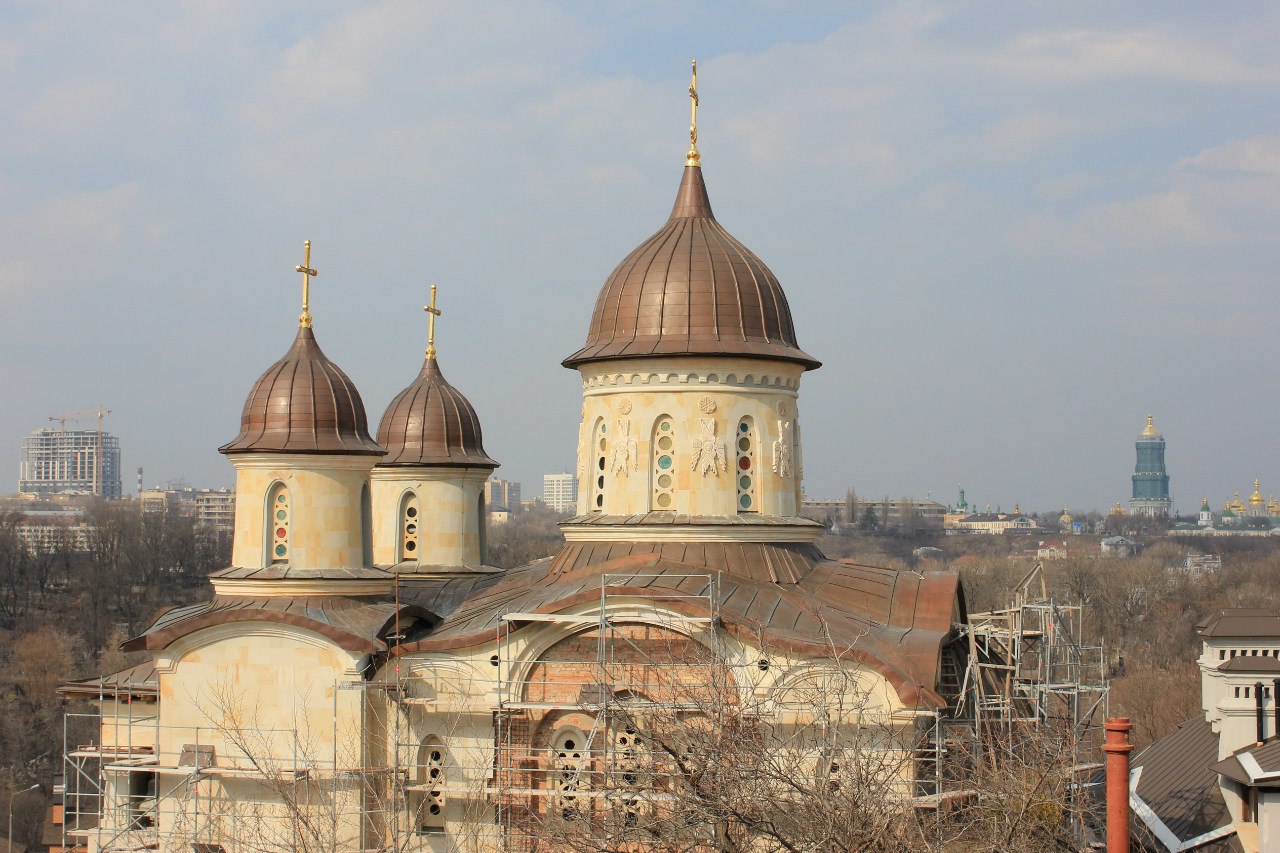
x: 1009, y: 232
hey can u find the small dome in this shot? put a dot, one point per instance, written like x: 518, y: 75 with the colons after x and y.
x: 304, y: 403
x: 691, y: 289
x: 1150, y: 430
x: 1256, y: 497
x: 431, y: 423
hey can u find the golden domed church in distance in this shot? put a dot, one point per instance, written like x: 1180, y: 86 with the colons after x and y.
x: 361, y: 679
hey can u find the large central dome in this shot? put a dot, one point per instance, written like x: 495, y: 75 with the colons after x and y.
x: 691, y: 289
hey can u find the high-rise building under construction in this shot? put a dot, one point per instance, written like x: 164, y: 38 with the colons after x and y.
x: 70, y: 462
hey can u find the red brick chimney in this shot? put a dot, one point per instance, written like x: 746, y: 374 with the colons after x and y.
x: 1117, y: 748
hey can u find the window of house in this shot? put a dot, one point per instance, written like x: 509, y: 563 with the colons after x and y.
x: 278, y: 523
x: 663, y: 455
x: 600, y: 441
x: 429, y: 802
x: 570, y: 761
x: 746, y: 469
x: 410, y: 525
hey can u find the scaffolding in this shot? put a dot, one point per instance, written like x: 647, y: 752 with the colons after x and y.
x: 139, y: 785
x: 567, y: 739
x: 1030, y: 663
x: 558, y: 725
x: 1030, y: 667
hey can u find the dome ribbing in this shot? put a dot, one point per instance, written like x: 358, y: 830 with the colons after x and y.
x: 303, y: 403
x: 691, y: 289
x: 432, y: 423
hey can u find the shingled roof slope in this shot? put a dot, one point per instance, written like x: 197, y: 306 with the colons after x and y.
x: 788, y: 595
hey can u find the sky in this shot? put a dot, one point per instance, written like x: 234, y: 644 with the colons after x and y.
x: 1009, y: 230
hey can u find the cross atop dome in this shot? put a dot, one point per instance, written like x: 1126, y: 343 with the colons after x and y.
x: 304, y: 319
x: 693, y: 158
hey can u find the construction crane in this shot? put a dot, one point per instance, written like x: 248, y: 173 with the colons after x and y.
x: 76, y: 416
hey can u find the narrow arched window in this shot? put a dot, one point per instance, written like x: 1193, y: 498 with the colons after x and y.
x: 662, y: 463
x: 569, y: 778
x: 429, y: 801
x: 600, y: 463
x: 482, y: 519
x: 279, y: 523
x: 410, y: 527
x: 366, y: 526
x: 746, y: 467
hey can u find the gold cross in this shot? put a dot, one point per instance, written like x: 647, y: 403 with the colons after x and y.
x: 432, y: 312
x: 304, y: 319
x: 693, y: 158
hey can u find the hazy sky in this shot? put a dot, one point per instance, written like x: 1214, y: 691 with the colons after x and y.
x: 1009, y: 230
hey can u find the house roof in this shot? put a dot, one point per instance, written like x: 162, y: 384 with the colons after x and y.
x: 1241, y: 622
x: 358, y: 624
x: 1177, y: 797
x: 431, y: 423
x: 788, y: 596
x: 691, y: 289
x: 1253, y: 765
x: 304, y: 403
x: 1252, y: 663
x: 137, y: 680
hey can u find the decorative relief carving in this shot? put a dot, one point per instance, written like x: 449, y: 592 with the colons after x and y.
x: 624, y: 406
x: 782, y: 449
x: 782, y: 408
x: 706, y: 405
x: 708, y: 453
x: 750, y: 380
x: 625, y: 456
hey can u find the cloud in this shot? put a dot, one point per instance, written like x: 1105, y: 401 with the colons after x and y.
x: 1166, y: 219
x: 1076, y: 55
x: 1258, y: 154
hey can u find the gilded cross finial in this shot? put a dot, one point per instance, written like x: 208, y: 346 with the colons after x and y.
x: 432, y: 313
x: 693, y: 158
x: 304, y: 319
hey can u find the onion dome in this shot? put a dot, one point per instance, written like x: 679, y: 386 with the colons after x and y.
x: 1150, y: 430
x: 691, y: 289
x: 431, y: 423
x: 1256, y: 498
x: 304, y: 403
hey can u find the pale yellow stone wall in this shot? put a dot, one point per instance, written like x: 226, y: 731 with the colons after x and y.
x: 268, y: 699
x: 325, y: 513
x: 627, y: 397
x: 451, y: 517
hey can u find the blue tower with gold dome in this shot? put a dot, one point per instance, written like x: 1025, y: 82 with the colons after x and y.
x: 1150, y: 480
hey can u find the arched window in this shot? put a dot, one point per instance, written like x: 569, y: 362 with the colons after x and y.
x: 662, y: 463
x: 570, y: 766
x: 482, y: 519
x: 600, y: 465
x: 410, y: 524
x: 429, y: 800
x: 632, y: 767
x: 279, y: 523
x: 746, y: 470
x: 366, y: 526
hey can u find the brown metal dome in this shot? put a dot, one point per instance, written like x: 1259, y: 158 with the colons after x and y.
x: 691, y: 289
x: 431, y: 423
x: 304, y: 403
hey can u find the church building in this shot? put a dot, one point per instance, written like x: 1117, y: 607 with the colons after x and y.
x: 1150, y: 480
x: 360, y: 678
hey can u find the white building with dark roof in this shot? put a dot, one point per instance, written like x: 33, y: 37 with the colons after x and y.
x: 1213, y: 784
